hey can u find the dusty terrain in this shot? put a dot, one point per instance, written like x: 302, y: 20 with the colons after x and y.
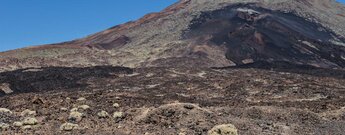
x: 177, y: 100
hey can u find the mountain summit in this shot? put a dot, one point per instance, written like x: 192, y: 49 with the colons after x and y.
x: 207, y: 33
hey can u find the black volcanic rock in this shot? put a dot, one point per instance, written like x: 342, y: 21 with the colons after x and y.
x: 256, y: 34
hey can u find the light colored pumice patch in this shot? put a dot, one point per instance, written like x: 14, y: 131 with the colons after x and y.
x: 5, y: 110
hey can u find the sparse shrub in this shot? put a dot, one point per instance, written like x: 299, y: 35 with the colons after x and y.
x: 69, y: 126
x: 226, y: 129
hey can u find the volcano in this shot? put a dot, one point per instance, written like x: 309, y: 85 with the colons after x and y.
x: 209, y: 34
x: 248, y: 66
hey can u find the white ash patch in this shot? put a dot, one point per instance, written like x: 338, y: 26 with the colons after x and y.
x: 249, y: 11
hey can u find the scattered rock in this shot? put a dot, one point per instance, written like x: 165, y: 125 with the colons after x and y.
x: 75, y: 116
x: 28, y: 112
x: 4, y: 126
x: 30, y: 121
x: 5, y: 87
x: 116, y: 105
x: 103, y: 114
x: 5, y: 110
x: 226, y: 129
x: 69, y: 126
x: 84, y: 107
x: 17, y: 124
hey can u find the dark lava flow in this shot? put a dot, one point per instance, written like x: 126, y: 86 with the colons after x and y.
x: 257, y: 34
x: 57, y: 78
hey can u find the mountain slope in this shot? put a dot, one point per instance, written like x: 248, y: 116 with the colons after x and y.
x: 199, y: 32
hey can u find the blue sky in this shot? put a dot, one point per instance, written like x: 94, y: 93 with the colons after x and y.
x: 36, y: 22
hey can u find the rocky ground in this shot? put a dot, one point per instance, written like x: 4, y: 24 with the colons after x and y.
x: 183, y: 101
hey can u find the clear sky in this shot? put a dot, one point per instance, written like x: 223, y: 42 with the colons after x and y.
x: 36, y: 22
